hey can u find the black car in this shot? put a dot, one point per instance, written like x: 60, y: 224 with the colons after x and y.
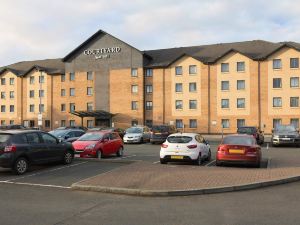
x: 21, y: 148
x: 12, y: 127
x: 254, y: 131
x: 68, y: 135
x: 159, y: 133
x: 285, y: 135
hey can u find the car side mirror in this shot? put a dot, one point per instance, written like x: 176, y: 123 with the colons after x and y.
x: 272, y: 130
x: 67, y: 137
x: 105, y: 140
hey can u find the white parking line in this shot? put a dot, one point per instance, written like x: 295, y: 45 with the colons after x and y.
x: 156, y: 162
x: 124, y: 157
x: 32, y: 184
x: 210, y: 163
x: 46, y: 171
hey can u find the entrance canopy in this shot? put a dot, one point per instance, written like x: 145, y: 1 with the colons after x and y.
x: 98, y: 114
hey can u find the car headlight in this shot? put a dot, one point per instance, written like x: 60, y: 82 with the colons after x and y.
x: 91, y: 146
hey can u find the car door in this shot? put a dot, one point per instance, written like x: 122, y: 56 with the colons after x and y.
x: 106, y: 145
x: 55, y: 149
x: 37, y: 150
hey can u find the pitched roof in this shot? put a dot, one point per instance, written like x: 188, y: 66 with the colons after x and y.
x: 50, y: 66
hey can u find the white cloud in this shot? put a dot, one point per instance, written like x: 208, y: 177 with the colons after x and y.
x: 37, y: 29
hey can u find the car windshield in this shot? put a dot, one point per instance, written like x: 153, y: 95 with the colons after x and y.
x: 246, y: 130
x: 58, y: 133
x: 134, y: 130
x: 160, y: 129
x: 238, y: 140
x: 4, y: 137
x: 179, y: 139
x: 288, y: 129
x: 93, y: 136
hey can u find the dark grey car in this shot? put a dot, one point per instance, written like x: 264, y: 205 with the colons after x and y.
x: 68, y: 135
x: 285, y: 135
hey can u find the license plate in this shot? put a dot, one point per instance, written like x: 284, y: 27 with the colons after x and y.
x: 176, y: 157
x: 286, y: 139
x: 157, y: 133
x: 236, y: 151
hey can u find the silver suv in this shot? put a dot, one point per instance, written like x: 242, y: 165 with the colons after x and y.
x: 286, y: 135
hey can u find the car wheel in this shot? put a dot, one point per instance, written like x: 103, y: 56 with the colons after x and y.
x: 20, y: 166
x: 120, y: 152
x: 162, y: 161
x: 257, y: 165
x: 209, y: 155
x: 99, y: 154
x: 218, y: 163
x: 142, y: 140
x: 68, y: 158
x: 199, y: 160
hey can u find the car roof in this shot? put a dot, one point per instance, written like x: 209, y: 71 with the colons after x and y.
x: 185, y: 134
x: 239, y: 135
x: 18, y: 131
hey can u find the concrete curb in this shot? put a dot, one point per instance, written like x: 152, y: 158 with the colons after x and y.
x: 108, y: 160
x: 165, y: 193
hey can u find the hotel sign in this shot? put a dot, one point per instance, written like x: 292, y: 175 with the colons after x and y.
x: 102, y: 53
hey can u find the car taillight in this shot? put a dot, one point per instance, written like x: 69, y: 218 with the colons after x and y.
x: 10, y: 148
x: 192, y: 146
x: 164, y: 146
x: 252, y: 150
x: 222, y: 149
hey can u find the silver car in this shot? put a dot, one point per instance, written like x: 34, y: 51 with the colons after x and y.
x: 137, y: 134
x: 286, y: 135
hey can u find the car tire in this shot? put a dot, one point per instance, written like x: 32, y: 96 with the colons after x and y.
x: 99, y: 154
x: 218, y: 163
x: 20, y: 166
x: 209, y: 155
x: 199, y: 160
x: 68, y: 158
x: 162, y: 161
x: 257, y: 165
x: 142, y: 140
x: 120, y: 152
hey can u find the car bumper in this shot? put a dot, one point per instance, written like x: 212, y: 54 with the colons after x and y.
x: 286, y: 141
x: 136, y: 140
x: 245, y: 159
x: 6, y: 160
x: 179, y: 156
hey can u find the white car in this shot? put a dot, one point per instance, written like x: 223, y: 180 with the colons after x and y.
x: 185, y: 147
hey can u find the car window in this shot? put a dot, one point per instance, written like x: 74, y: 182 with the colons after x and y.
x: 179, y: 139
x: 48, y: 139
x: 4, y: 137
x: 71, y: 134
x: 238, y: 140
x: 20, y: 139
x: 78, y: 133
x: 199, y: 138
x: 92, y: 136
x: 115, y: 136
x: 33, y: 138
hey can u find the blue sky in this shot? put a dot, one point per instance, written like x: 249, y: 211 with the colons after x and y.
x: 39, y: 29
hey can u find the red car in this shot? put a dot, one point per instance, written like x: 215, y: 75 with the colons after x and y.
x: 98, y: 144
x: 239, y: 149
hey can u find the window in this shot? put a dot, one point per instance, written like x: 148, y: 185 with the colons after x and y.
x: 3, y: 81
x: 90, y: 123
x: 31, y: 94
x: 149, y: 123
x: 63, y: 77
x: 240, y: 66
x: 31, y: 79
x: 47, y: 123
x: 26, y: 123
x: 178, y: 70
x: 31, y: 123
x: 240, y: 123
x: 276, y: 63
x: 179, y: 124
x: 33, y: 138
x: 240, y: 85
x: 192, y: 69
x: 2, y: 108
x: 11, y: 81
x: 178, y: 104
x: 134, y: 123
x: 294, y: 63
x: 3, y: 122
x: 63, y: 107
x: 193, y: 104
x: 295, y: 123
x: 225, y: 123
x: 72, y: 91
x: 294, y: 102
x: 193, y: 87
x: 11, y: 94
x: 178, y: 87
x: 89, y: 75
x: 41, y: 93
x: 134, y: 88
x: 224, y: 85
x: 240, y: 103
x: 89, y: 106
x: 2, y: 95
x: 277, y: 83
x: 72, y: 107
x: 31, y: 108
x: 62, y: 123
x: 11, y: 108
x: 41, y: 108
x: 149, y: 89
x: 193, y: 123
x: 72, y: 123
x: 41, y: 79
x: 149, y: 105
x: 276, y: 122
x: 224, y: 67
x: 48, y: 138
x: 11, y: 122
x: 149, y: 72
x: 294, y: 82
x: 225, y: 103
x: 89, y: 91
x: 134, y: 72
x: 63, y: 92
x: 72, y: 76
x: 134, y: 105
x: 277, y: 102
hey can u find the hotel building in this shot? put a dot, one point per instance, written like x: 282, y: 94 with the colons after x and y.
x: 105, y: 81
